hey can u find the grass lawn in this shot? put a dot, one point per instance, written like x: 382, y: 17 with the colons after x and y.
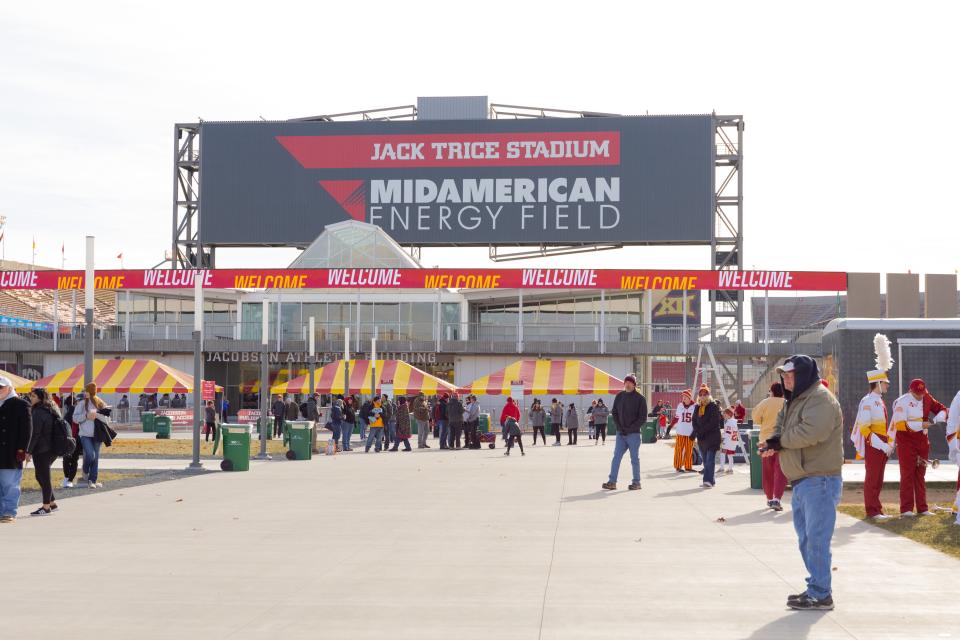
x: 177, y: 448
x: 56, y: 475
x: 936, y: 531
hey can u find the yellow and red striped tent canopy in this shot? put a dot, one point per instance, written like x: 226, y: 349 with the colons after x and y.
x: 279, y: 376
x: 407, y: 379
x: 20, y: 385
x: 547, y: 377
x: 121, y: 375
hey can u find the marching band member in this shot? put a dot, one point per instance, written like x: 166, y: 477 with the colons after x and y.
x: 909, y: 423
x: 869, y: 433
x: 683, y: 423
x: 731, y: 438
x: 953, y: 445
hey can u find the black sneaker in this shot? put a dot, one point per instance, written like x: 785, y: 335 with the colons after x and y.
x: 806, y: 603
x: 770, y: 504
x: 775, y: 505
x: 796, y: 596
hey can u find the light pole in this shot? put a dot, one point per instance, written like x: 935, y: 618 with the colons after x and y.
x: 346, y: 380
x: 264, y: 383
x: 197, y: 366
x: 88, y: 284
x: 3, y: 237
x: 313, y: 358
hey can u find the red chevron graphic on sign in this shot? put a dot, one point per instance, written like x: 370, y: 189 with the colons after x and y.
x: 349, y: 195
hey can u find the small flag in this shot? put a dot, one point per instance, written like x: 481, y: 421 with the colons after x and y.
x: 2, y: 233
x: 63, y: 248
x: 34, y: 242
x: 120, y: 256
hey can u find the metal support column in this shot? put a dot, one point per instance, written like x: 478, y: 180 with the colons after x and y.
x: 311, y: 341
x: 197, y: 367
x: 56, y: 318
x: 603, y: 321
x: 520, y: 323
x: 766, y: 323
x: 683, y: 312
x: 726, y: 250
x: 126, y: 323
x: 437, y: 320
x: 373, y: 366
x: 264, y: 381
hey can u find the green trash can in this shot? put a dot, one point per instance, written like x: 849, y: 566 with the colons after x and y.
x: 648, y: 433
x: 298, y: 436
x: 611, y: 426
x: 147, y: 420
x: 484, y: 423
x: 236, y: 447
x: 163, y: 426
x: 756, y: 463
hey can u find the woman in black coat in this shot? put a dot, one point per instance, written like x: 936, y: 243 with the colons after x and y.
x: 45, y: 418
x: 707, y: 429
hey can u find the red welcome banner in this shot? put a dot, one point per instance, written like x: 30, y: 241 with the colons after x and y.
x: 622, y: 279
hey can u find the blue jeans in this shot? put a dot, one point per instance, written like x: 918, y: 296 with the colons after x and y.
x: 709, y: 465
x: 391, y: 432
x: 346, y: 430
x: 335, y: 431
x: 91, y: 458
x: 444, y: 433
x: 376, y: 433
x: 814, y: 504
x: 629, y: 442
x: 10, y: 491
x: 364, y: 426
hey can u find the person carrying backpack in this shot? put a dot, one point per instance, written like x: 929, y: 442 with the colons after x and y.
x: 71, y: 462
x: 43, y: 445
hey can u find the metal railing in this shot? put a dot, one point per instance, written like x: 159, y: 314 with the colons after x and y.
x: 418, y: 336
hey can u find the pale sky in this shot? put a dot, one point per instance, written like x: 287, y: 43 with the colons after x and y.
x: 851, y: 147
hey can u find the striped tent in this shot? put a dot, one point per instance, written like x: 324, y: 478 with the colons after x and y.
x: 277, y: 377
x: 407, y: 380
x: 20, y: 385
x: 121, y: 376
x: 547, y: 377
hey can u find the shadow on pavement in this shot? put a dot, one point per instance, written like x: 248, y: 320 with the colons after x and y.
x: 795, y: 625
x: 596, y: 495
x: 681, y: 492
x: 760, y: 516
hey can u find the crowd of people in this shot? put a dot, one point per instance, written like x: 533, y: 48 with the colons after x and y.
x: 41, y: 428
x: 800, y: 425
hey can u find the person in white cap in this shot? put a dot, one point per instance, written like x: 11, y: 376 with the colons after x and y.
x: 909, y: 426
x: 869, y: 434
x: 15, y: 430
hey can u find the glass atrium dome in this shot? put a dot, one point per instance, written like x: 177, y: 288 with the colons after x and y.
x: 354, y: 244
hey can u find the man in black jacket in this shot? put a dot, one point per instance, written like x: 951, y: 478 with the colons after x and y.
x: 455, y: 420
x: 279, y: 411
x: 15, y: 428
x: 629, y: 413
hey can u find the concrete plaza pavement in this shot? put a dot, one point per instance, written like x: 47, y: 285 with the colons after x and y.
x: 467, y: 544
